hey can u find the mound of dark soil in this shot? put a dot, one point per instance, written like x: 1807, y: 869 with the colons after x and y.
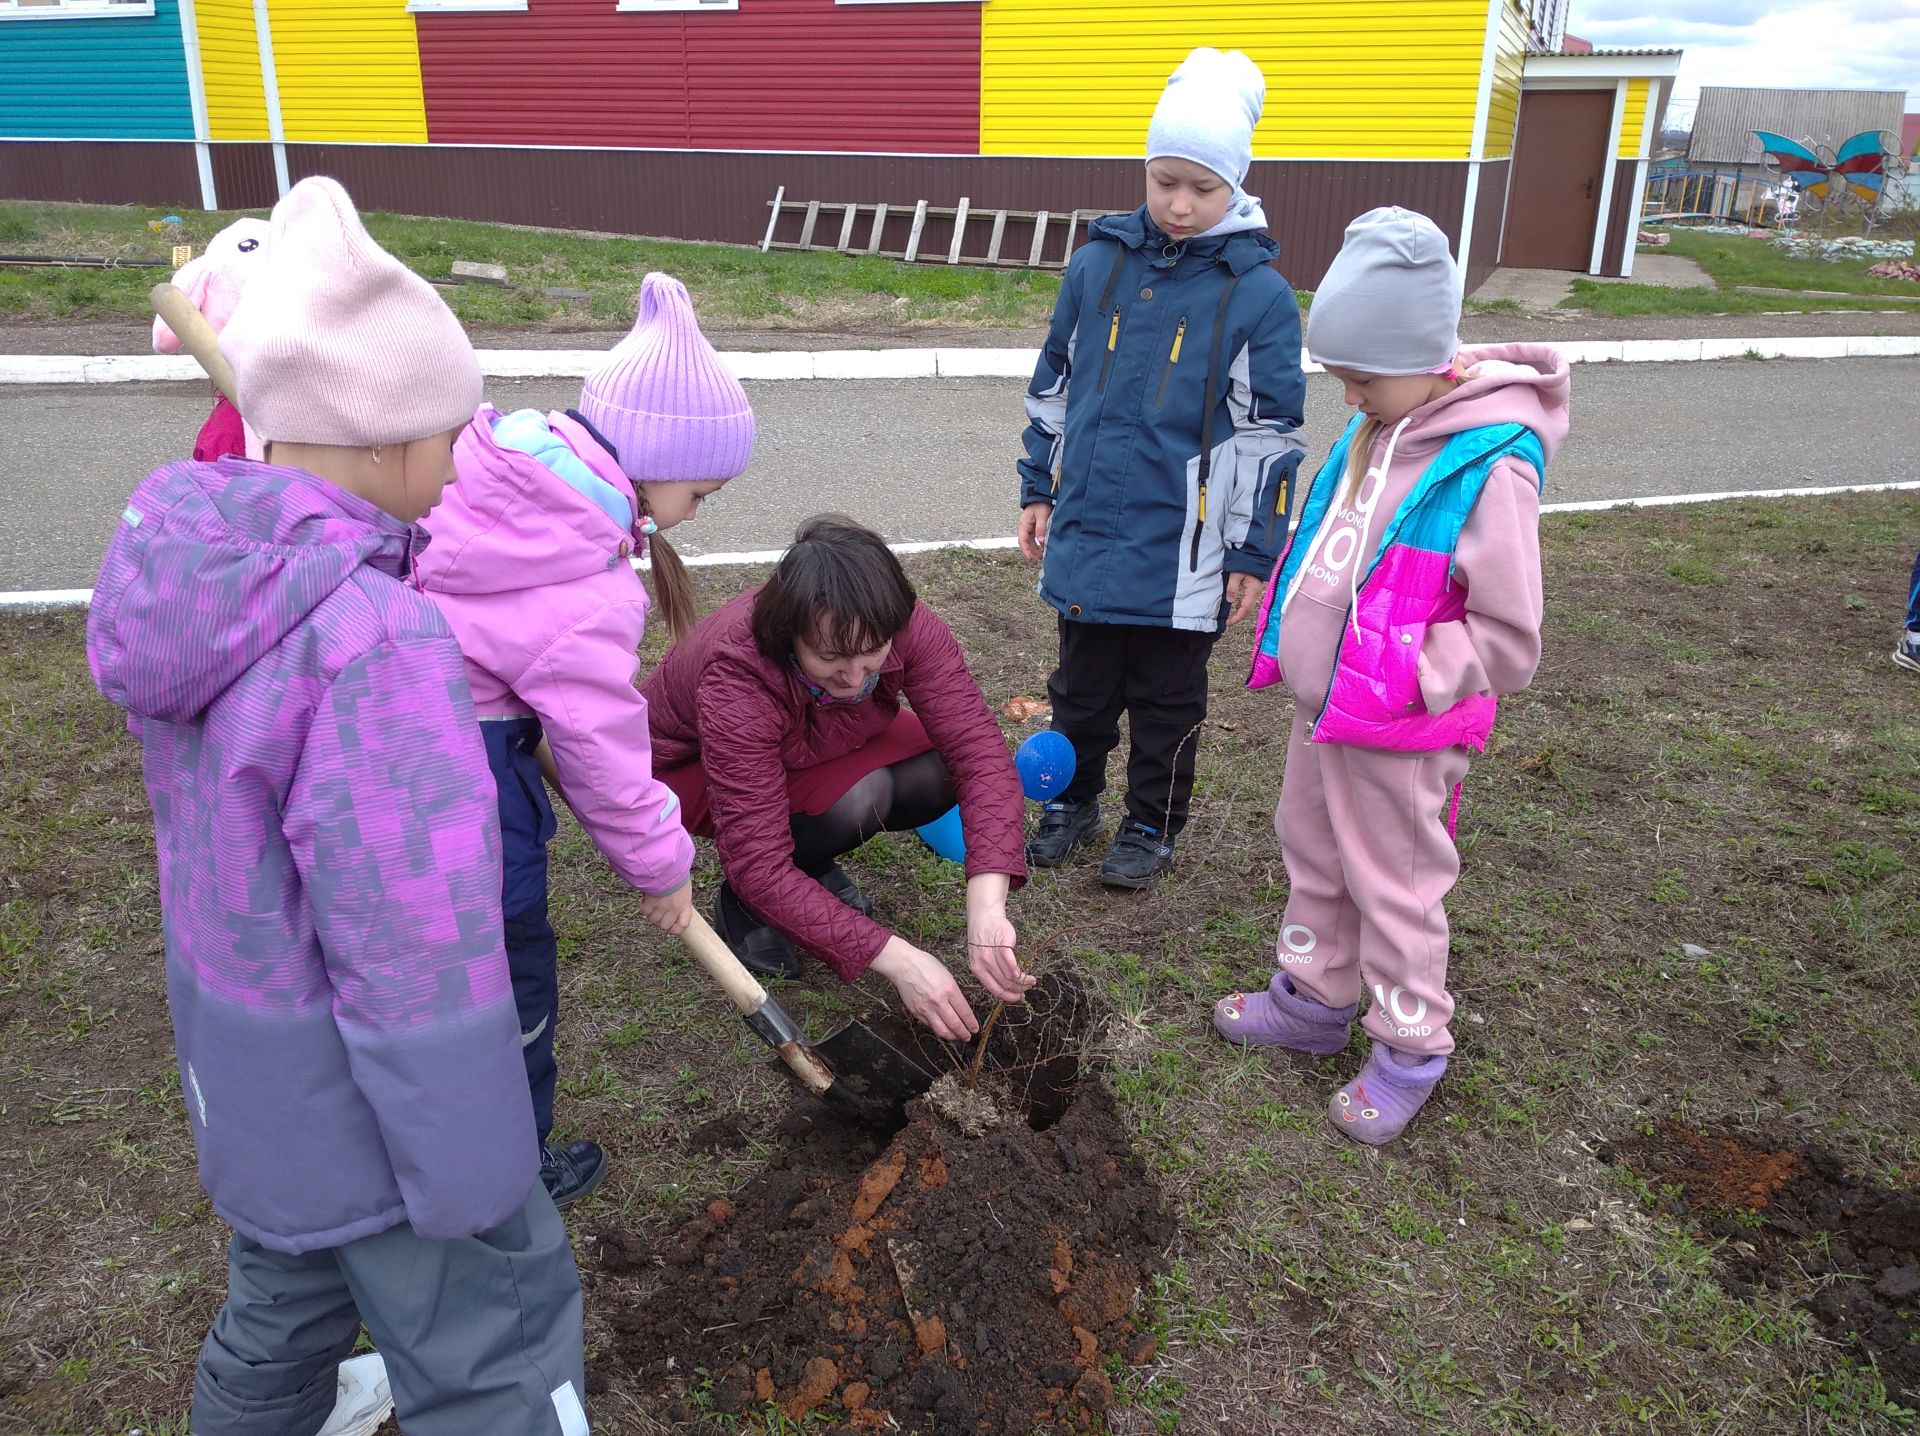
x: 974, y: 1273
x: 1784, y: 1210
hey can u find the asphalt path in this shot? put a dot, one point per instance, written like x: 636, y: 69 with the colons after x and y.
x: 933, y: 458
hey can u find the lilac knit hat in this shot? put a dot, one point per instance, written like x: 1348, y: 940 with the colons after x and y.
x: 335, y: 341
x: 663, y: 398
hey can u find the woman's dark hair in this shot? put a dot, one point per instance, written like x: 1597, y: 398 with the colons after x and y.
x: 839, y: 587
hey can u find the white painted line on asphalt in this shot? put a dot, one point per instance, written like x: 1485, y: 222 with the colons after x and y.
x: 1588, y: 506
x: 78, y: 597
x: 844, y: 364
x: 47, y: 598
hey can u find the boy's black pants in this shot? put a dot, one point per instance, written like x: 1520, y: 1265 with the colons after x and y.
x: 1158, y: 677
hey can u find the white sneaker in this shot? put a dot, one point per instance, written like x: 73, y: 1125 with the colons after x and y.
x: 364, y: 1400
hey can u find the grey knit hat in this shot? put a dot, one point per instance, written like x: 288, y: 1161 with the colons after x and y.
x: 1390, y: 303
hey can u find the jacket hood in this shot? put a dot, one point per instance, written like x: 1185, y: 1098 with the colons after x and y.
x: 1506, y: 384
x: 538, y: 500
x: 1239, y: 251
x: 214, y: 564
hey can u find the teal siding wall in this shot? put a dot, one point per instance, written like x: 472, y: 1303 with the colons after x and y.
x: 120, y: 78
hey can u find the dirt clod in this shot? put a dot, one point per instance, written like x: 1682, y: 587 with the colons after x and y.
x: 1782, y: 1212
x: 913, y: 1278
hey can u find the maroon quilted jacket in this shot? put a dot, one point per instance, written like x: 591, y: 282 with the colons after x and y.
x: 717, y: 698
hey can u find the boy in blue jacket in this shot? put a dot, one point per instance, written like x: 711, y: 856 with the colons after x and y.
x: 1165, y: 412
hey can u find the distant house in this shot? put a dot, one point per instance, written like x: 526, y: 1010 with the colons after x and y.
x: 681, y: 118
x: 1724, y: 124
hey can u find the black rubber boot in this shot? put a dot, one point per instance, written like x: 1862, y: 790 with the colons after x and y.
x: 570, y: 1172
x: 762, y: 950
x: 1064, y: 826
x: 1138, y: 856
x: 836, y: 881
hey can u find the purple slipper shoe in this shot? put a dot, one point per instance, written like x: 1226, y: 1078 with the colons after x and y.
x: 1376, y: 1106
x: 1283, y: 1016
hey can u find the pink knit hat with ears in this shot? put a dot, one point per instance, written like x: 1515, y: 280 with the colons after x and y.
x: 664, y: 400
x: 337, y: 342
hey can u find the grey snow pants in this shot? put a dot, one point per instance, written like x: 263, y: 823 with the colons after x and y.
x: 482, y: 1334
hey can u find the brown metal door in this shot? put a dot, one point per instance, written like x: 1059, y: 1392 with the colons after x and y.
x: 1559, y: 164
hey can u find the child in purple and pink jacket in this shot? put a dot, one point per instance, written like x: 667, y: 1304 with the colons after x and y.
x: 330, y: 874
x: 530, y: 563
x: 1408, y: 600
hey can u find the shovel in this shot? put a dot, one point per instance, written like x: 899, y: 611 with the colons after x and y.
x: 855, y: 1068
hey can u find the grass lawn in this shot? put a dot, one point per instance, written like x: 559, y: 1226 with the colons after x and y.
x: 1689, y: 906
x: 1734, y: 262
x: 733, y: 286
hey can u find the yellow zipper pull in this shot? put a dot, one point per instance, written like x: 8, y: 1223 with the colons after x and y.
x: 1113, y: 334
x: 1178, y: 335
x: 1203, y: 503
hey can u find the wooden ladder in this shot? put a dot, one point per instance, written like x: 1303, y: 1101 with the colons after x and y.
x: 873, y: 217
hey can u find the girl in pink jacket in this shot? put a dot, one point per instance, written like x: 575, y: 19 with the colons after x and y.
x: 1405, y: 604
x: 531, y: 564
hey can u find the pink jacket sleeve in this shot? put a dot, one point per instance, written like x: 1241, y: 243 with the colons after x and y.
x: 1495, y: 647
x: 581, y: 686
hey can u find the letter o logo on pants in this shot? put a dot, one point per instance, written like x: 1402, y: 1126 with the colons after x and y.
x: 1391, y: 1001
x: 1298, y: 938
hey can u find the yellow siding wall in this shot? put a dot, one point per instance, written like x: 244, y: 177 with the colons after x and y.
x: 230, y: 64
x: 349, y: 70
x: 1633, y: 118
x: 1345, y: 78
x: 1509, y: 59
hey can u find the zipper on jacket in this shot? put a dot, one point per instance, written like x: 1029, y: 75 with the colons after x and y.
x: 1280, y: 504
x: 1113, y: 342
x: 1173, y: 358
x: 1199, y: 525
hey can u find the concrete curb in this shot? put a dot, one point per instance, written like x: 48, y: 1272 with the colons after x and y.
x: 50, y: 598
x: 844, y: 364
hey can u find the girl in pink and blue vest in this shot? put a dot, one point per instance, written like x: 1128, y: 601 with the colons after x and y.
x: 1406, y: 604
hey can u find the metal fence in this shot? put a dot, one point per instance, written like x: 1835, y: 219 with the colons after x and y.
x: 1727, y: 196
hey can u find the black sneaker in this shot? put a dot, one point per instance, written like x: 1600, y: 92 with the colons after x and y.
x: 570, y: 1172
x: 1064, y: 826
x: 1139, y: 855
x: 836, y: 881
x: 763, y: 950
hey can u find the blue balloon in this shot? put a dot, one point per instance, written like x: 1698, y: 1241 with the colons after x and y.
x: 945, y: 837
x: 1045, y: 762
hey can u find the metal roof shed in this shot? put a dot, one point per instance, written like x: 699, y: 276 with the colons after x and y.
x: 1724, y: 124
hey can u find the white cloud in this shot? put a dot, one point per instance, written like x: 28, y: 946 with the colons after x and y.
x: 1788, y: 44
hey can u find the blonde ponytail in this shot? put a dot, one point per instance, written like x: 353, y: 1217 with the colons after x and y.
x: 1358, y: 450
x: 672, y: 588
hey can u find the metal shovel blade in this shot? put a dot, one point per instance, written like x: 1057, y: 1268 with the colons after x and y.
x: 872, y: 1078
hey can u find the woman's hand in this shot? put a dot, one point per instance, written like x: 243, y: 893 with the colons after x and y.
x: 672, y: 912
x: 990, y: 939
x: 927, y: 989
x: 1035, y: 520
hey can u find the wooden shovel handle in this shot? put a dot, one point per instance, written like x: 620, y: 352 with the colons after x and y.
x: 744, y: 991
x: 196, y: 336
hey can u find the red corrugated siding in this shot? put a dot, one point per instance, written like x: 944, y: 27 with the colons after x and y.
x: 774, y: 74
x: 100, y: 171
x: 713, y: 195
x: 1489, y: 219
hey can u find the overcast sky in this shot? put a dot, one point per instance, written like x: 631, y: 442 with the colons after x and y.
x: 1792, y: 44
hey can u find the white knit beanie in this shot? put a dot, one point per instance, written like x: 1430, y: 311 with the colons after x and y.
x: 337, y: 342
x: 1390, y: 303
x: 1207, y: 113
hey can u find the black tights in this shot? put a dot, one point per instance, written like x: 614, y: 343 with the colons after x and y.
x: 893, y: 799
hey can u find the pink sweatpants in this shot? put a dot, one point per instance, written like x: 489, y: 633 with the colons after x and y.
x: 1369, y: 864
